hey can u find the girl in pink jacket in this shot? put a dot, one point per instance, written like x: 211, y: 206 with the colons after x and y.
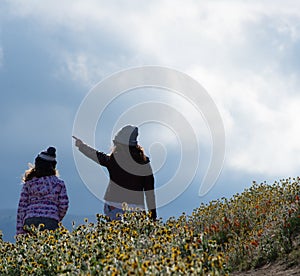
x: 44, y: 198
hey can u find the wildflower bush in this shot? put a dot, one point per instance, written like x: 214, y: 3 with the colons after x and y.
x: 255, y: 227
x: 134, y: 246
x: 245, y: 231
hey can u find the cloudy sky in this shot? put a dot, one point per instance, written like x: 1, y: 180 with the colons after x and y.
x: 244, y: 53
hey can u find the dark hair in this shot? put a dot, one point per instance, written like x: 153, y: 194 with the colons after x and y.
x: 41, y: 168
x: 136, y: 152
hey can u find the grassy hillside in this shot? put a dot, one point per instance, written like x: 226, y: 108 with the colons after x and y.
x: 249, y: 230
x: 8, y: 223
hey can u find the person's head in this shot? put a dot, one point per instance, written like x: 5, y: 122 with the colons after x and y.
x: 44, y: 165
x: 127, y: 136
x: 126, y: 141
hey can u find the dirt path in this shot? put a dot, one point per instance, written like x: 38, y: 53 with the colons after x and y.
x: 287, y: 267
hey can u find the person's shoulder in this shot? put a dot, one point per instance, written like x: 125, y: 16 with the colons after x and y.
x: 30, y: 181
x: 102, y: 154
x: 103, y: 158
x: 56, y: 179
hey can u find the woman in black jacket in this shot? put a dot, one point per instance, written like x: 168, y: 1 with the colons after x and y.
x: 131, y: 177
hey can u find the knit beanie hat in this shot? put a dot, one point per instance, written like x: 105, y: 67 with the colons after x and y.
x: 47, y: 156
x: 127, y: 136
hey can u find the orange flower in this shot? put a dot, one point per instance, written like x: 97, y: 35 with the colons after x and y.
x: 226, y: 219
x: 236, y: 223
x: 255, y: 243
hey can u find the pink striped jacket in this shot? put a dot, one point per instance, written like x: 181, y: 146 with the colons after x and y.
x: 42, y: 197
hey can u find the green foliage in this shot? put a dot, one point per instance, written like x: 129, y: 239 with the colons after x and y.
x: 245, y: 231
x: 255, y: 227
x: 136, y: 246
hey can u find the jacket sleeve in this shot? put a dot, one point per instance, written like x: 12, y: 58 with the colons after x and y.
x: 97, y: 156
x: 149, y: 193
x: 22, y: 207
x: 63, y: 202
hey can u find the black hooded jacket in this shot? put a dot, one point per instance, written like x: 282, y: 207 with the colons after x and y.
x: 130, y: 182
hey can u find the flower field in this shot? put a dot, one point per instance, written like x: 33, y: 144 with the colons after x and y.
x: 255, y: 227
x: 248, y: 230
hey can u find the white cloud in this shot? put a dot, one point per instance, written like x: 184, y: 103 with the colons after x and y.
x: 261, y: 120
x: 80, y: 68
x: 167, y: 32
x: 239, y: 51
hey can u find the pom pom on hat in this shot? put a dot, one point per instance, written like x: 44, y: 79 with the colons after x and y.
x: 48, y: 155
x: 127, y: 136
x: 51, y: 151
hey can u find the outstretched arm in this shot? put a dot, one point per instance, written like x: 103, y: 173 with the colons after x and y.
x: 99, y: 157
